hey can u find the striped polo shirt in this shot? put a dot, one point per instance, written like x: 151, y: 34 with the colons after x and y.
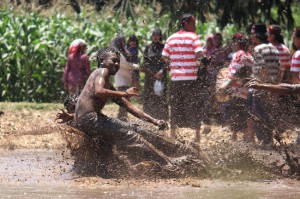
x: 284, y: 56
x: 181, y: 48
x: 295, y: 64
x: 266, y: 65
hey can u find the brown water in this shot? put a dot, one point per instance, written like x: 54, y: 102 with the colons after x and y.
x: 216, y: 190
x: 45, y: 173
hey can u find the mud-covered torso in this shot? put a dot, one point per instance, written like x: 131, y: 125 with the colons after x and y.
x: 88, y: 101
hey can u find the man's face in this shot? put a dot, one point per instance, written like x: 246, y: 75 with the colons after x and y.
x: 296, y: 41
x: 112, y: 63
x: 253, y: 40
x: 271, y: 37
x: 217, y: 40
x: 190, y: 26
x: 155, y: 38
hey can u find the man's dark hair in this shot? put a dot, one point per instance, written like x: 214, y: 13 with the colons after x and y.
x: 102, y: 54
x: 297, y: 32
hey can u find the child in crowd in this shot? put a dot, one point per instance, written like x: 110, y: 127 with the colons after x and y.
x: 131, y: 48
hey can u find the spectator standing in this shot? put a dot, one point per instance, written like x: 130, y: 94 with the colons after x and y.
x: 218, y: 60
x: 266, y: 68
x: 155, y: 69
x: 77, y: 69
x: 295, y: 63
x: 235, y: 111
x: 182, y: 49
x: 123, y: 78
x: 209, y: 46
x: 132, y: 49
x: 276, y: 39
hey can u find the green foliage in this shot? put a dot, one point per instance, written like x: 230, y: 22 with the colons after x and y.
x: 34, y: 50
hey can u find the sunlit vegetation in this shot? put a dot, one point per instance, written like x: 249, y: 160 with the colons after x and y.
x: 34, y: 38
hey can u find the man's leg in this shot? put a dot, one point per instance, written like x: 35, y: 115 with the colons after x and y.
x: 262, y: 120
x: 175, y: 106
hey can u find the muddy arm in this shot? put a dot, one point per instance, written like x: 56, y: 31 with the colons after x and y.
x: 283, y: 89
x: 138, y: 113
x: 108, y: 93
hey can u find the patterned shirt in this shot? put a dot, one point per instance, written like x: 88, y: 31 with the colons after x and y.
x: 284, y: 56
x: 239, y: 59
x: 181, y: 48
x: 295, y: 65
x: 266, y: 63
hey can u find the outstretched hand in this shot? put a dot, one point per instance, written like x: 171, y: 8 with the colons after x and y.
x: 133, y: 91
x: 63, y: 117
x: 254, y: 84
x: 162, y: 125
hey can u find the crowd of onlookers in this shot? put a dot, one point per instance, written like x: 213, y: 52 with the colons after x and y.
x: 210, y: 81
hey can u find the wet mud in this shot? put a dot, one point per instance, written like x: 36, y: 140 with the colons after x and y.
x: 46, y: 152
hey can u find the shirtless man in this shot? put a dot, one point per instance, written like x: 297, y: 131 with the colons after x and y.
x: 89, y: 119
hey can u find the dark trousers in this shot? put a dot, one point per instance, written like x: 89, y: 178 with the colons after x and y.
x: 264, y: 120
x: 185, y: 103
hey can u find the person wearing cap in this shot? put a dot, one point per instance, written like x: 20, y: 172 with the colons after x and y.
x: 77, y: 69
x: 235, y: 111
x: 276, y: 39
x: 155, y: 69
x: 181, y: 51
x: 266, y: 69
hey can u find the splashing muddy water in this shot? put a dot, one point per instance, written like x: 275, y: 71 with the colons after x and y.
x: 36, y: 163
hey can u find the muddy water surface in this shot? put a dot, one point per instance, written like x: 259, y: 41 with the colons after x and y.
x: 34, y: 163
x: 48, y: 174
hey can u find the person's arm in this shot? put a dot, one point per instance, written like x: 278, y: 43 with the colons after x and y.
x: 87, y: 67
x: 199, y: 54
x: 282, y: 89
x: 295, y: 77
x: 65, y: 75
x: 104, y: 93
x: 138, y: 113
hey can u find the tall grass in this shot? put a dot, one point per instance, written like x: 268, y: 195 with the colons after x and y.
x: 34, y: 48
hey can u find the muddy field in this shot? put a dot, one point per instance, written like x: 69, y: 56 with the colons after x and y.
x: 34, y: 149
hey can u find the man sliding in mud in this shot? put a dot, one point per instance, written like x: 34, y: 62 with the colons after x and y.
x: 89, y: 119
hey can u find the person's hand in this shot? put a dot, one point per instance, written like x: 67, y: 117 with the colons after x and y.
x: 158, y: 75
x: 63, y: 117
x: 254, y: 84
x: 133, y: 91
x: 162, y: 125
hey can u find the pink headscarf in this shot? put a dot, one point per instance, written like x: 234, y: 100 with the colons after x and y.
x: 75, y: 46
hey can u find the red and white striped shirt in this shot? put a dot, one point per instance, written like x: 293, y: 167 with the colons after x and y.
x: 239, y: 59
x: 295, y: 64
x: 181, y: 48
x: 284, y: 56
